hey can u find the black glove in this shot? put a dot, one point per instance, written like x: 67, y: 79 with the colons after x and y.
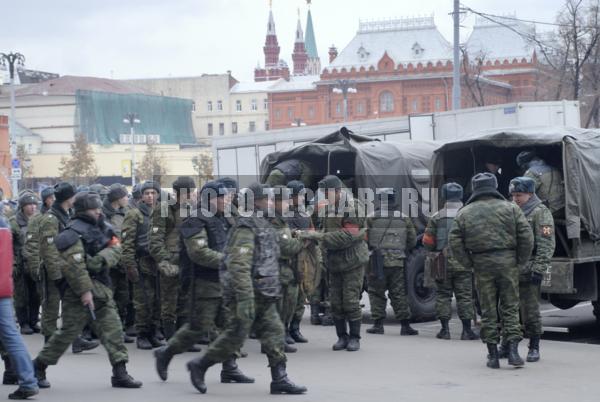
x: 536, y: 278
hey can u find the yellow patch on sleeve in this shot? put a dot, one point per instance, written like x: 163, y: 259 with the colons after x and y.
x: 547, y: 230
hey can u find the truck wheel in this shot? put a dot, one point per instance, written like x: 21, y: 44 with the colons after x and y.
x: 420, y: 298
x: 563, y: 304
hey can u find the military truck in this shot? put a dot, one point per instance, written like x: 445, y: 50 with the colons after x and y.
x: 574, y: 276
x: 367, y: 163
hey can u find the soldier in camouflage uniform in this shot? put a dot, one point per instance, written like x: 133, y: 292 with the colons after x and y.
x: 88, y: 248
x: 291, y: 169
x: 204, y: 237
x: 249, y: 274
x: 141, y: 268
x: 456, y: 279
x: 392, y: 237
x: 343, y: 238
x: 492, y: 236
x: 165, y: 249
x: 114, y: 208
x: 288, y: 273
x: 26, y: 298
x: 540, y: 218
x: 32, y: 242
x: 549, y: 185
x: 51, y: 224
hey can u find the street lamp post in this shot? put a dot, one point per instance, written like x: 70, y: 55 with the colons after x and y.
x: 345, y: 87
x: 11, y: 60
x: 131, y: 119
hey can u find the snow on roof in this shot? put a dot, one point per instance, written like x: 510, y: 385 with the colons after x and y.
x: 296, y: 83
x: 245, y: 87
x: 405, y: 40
x: 499, y: 42
x: 69, y: 84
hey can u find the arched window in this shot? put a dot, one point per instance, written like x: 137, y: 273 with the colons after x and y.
x: 386, y: 102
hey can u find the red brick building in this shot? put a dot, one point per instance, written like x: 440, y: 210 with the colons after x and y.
x: 4, y: 157
x: 401, y: 67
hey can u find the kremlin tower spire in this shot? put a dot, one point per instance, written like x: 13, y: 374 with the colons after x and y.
x: 299, y: 56
x: 313, y: 65
x: 274, y: 67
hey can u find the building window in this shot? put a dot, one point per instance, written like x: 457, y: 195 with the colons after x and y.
x: 438, y: 104
x: 360, y: 107
x: 221, y: 128
x: 210, y: 129
x: 277, y: 114
x: 234, y: 127
x: 290, y: 113
x: 265, y: 104
x: 266, y: 125
x: 254, y: 104
x: 252, y: 126
x: 238, y: 105
x: 415, y: 105
x: 386, y: 102
x: 209, y: 106
x: 219, y: 105
x: 311, y: 112
x: 338, y: 108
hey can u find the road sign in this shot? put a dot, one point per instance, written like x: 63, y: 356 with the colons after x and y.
x: 16, y: 163
x: 16, y: 174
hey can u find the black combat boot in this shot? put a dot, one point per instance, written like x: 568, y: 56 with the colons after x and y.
x: 406, y: 329
x: 534, y: 349
x: 467, y: 332
x: 194, y: 349
x: 131, y: 331
x: 295, y: 332
x: 327, y: 319
x: 163, y: 357
x: 23, y: 393
x: 513, y: 354
x: 158, y: 334
x: 230, y: 373
x: 9, y: 377
x: 354, y: 340
x: 377, y: 327
x: 444, y: 331
x: 315, y: 319
x: 342, y: 333
x: 288, y: 338
x: 503, y: 352
x: 121, y: 379
x: 155, y: 342
x: 280, y: 383
x: 26, y: 329
x: 492, y: 357
x: 204, y: 338
x: 80, y: 344
x: 289, y: 348
x: 39, y: 369
x: 169, y: 329
x: 127, y: 338
x: 197, y: 369
x: 143, y: 341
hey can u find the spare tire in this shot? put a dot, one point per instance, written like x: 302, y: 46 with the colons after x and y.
x: 420, y: 298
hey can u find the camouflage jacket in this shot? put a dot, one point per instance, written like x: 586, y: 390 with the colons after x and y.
x: 542, y: 224
x: 18, y: 226
x: 290, y: 247
x: 31, y: 250
x: 395, y: 236
x: 491, y: 233
x: 164, y: 234
x: 438, y: 224
x: 549, y: 185
x: 134, y: 220
x: 52, y: 223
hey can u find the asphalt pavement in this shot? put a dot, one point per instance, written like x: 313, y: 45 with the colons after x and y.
x: 387, y: 368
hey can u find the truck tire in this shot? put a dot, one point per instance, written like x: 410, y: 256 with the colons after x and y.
x: 563, y: 304
x: 420, y: 298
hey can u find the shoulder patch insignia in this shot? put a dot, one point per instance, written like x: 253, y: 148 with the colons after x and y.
x: 244, y: 250
x: 78, y: 257
x: 154, y: 230
x: 123, y: 235
x: 50, y: 240
x: 201, y: 242
x: 547, y: 230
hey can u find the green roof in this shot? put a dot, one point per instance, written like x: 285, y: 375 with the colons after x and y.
x: 309, y: 39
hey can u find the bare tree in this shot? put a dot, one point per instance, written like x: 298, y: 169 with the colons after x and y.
x: 81, y: 167
x: 472, y: 76
x: 203, y: 165
x: 152, y: 165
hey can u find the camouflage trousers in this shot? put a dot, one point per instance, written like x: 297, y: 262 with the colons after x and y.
x: 459, y: 283
x: 287, y: 304
x: 26, y: 299
x: 267, y: 325
x: 75, y: 316
x: 345, y: 289
x: 206, y: 313
x: 531, y: 318
x: 146, y: 304
x: 120, y: 288
x: 498, y: 283
x: 169, y: 293
x: 299, y: 310
x: 50, y: 307
x: 394, y: 283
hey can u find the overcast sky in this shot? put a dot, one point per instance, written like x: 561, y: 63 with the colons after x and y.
x: 158, y: 38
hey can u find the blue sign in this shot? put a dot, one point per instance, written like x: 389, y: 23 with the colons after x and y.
x: 510, y: 110
x: 16, y: 163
